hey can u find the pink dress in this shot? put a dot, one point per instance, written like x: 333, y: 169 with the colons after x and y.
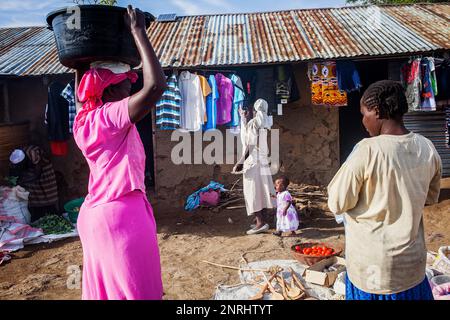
x: 116, y: 224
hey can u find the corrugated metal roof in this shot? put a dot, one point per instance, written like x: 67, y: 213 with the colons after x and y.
x: 259, y: 38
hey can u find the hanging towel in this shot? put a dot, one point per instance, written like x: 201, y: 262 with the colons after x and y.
x: 193, y: 201
x: 348, y: 76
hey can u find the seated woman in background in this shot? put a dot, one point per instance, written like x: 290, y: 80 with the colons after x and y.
x: 35, y: 173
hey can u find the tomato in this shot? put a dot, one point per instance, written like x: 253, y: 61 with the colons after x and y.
x: 328, y: 252
x: 298, y: 248
x: 308, y: 250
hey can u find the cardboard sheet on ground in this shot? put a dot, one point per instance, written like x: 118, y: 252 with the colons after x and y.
x: 245, y: 290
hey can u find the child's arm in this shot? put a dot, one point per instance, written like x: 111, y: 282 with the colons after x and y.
x: 285, y: 210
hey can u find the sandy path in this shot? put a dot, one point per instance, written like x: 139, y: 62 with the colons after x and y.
x: 40, y: 271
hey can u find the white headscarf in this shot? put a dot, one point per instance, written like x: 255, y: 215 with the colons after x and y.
x: 261, y: 119
x: 17, y: 156
x: 114, y: 66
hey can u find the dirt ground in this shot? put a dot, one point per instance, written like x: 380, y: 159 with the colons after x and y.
x: 187, y: 239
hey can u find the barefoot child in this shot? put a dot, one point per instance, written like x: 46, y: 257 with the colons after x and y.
x: 287, y: 218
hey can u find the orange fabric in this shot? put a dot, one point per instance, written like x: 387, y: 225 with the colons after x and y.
x: 324, y: 85
x: 206, y: 89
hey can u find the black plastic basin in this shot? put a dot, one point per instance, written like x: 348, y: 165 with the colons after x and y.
x: 101, y: 35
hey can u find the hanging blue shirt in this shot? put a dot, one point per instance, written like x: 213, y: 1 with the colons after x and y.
x: 238, y: 100
x: 211, y: 104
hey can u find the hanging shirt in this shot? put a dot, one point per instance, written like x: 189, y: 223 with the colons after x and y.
x: 69, y: 94
x: 225, y: 101
x: 57, y: 113
x: 206, y: 89
x: 347, y: 76
x: 428, y: 102
x: 168, y: 107
x: 238, y: 102
x: 192, y: 102
x: 211, y: 104
x: 410, y: 76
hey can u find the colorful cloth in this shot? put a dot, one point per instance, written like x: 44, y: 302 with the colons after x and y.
x: 290, y: 221
x: 121, y: 258
x: 324, y: 85
x: 211, y: 105
x: 111, y: 144
x: 69, y: 94
x: 238, y: 101
x: 168, y: 108
x: 411, y: 77
x: 193, y: 201
x: 347, y: 76
x: 420, y: 292
x: 91, y: 88
x: 225, y: 101
x: 428, y: 102
x: 206, y: 90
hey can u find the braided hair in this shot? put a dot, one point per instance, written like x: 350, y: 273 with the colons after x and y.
x: 389, y: 96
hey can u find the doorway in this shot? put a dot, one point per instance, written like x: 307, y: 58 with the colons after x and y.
x: 351, y: 129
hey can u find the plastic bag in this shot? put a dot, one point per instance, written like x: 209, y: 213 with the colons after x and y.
x: 14, y: 203
x: 210, y: 198
x: 442, y: 292
x: 442, y: 262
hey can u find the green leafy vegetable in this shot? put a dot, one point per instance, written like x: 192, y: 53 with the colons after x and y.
x: 53, y: 224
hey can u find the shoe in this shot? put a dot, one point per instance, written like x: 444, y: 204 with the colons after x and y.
x: 264, y: 228
x: 253, y: 226
x: 277, y: 233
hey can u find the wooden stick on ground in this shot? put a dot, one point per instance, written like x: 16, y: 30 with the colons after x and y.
x: 234, y: 268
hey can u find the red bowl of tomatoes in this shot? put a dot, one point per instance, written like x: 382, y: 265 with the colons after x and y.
x: 310, y: 253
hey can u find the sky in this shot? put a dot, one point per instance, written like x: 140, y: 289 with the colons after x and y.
x: 19, y: 13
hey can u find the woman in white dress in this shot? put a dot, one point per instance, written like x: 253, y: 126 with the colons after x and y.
x: 257, y: 177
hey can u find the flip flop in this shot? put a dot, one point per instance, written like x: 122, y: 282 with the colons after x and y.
x: 264, y: 228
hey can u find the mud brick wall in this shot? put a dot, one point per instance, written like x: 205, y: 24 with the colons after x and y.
x: 309, y: 150
x: 27, y: 99
x: 309, y: 144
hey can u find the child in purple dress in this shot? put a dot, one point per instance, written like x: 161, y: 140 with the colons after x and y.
x: 287, y: 218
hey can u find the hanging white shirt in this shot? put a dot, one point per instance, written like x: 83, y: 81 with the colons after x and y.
x: 193, y: 107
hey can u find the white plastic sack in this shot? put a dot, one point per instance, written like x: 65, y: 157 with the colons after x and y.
x: 14, y: 203
x: 245, y: 290
x: 442, y: 262
x: 14, y: 235
x: 339, y: 284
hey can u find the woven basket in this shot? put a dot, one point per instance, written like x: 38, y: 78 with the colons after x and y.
x: 12, y: 136
x: 310, y: 260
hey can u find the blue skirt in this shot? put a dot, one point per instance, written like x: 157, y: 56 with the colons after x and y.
x: 420, y: 292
